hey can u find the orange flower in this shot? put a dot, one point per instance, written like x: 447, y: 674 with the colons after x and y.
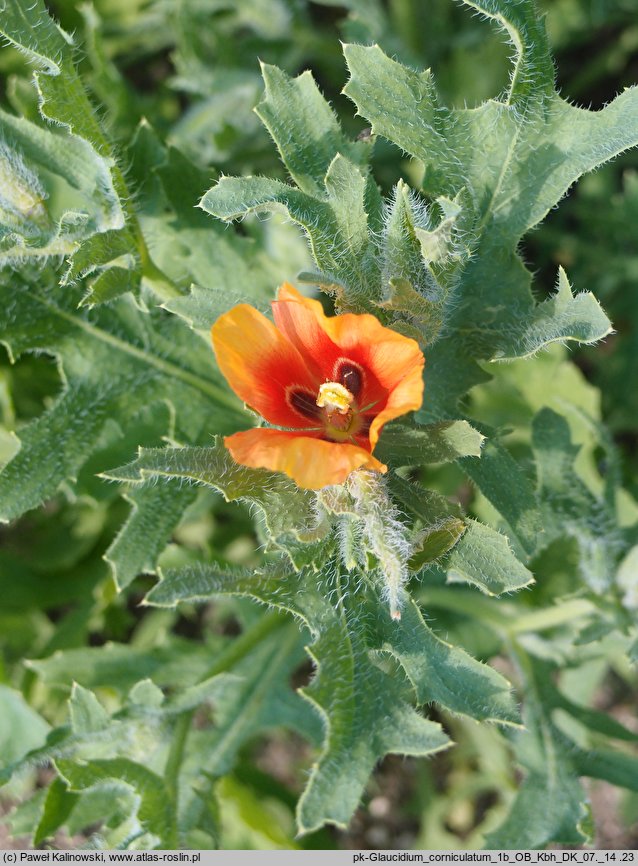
x: 334, y: 380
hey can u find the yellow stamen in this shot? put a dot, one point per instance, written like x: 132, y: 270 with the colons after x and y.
x: 335, y: 398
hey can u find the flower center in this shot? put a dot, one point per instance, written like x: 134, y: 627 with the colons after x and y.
x: 334, y: 397
x: 339, y: 413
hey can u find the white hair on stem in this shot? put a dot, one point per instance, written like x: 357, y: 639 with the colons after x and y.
x: 385, y: 534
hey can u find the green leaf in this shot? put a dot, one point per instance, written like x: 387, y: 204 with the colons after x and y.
x: 515, y: 165
x: 533, y: 74
x: 436, y: 542
x: 593, y: 719
x: 197, y: 583
x: 287, y: 510
x: 364, y: 709
x: 98, y: 250
x: 337, y: 203
x: 32, y: 30
x: 156, y: 810
x: 96, y: 259
x: 156, y: 511
x: 441, y: 521
x: 63, y: 100
x: 257, y: 697
x: 111, y: 283
x: 136, y: 359
x: 560, y: 318
x: 62, y: 96
x: 336, y: 224
x: 58, y: 805
x: 189, y: 698
x: 414, y: 315
x: 550, y: 805
x: 402, y: 106
x: 21, y: 728
x: 445, y: 674
x: 218, y: 266
x: 366, y: 715
x: 120, y: 666
x: 56, y: 191
x: 234, y: 197
x: 401, y: 445
x: 304, y: 129
x: 618, y: 768
x: 421, y: 261
x: 86, y: 712
x: 500, y: 479
x: 484, y: 558
x: 365, y: 712
x: 570, y: 508
x: 146, y: 694
x: 26, y: 481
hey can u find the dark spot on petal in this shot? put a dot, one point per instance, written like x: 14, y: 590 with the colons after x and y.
x: 304, y: 402
x: 350, y: 375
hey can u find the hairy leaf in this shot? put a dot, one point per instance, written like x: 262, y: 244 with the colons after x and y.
x: 515, y: 159
x: 401, y: 445
x: 137, y: 359
x: 21, y: 728
x: 447, y: 675
x: 55, y: 191
x: 348, y: 678
x: 287, y: 510
x: 156, y: 811
x: 483, y: 557
x: 500, y: 479
x: 569, y: 506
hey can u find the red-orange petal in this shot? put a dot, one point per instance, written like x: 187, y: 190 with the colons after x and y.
x: 261, y: 364
x: 407, y: 396
x: 301, y: 320
x: 389, y: 356
x: 312, y: 463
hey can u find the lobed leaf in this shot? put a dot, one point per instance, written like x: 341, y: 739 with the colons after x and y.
x: 156, y: 811
x: 514, y: 162
x: 304, y: 129
x: 444, y: 441
x: 444, y: 674
x: 570, y: 508
x: 156, y: 511
x: 56, y: 191
x: 21, y: 728
x: 499, y: 478
x: 484, y: 558
x: 287, y: 510
x: 365, y: 712
x: 137, y: 360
